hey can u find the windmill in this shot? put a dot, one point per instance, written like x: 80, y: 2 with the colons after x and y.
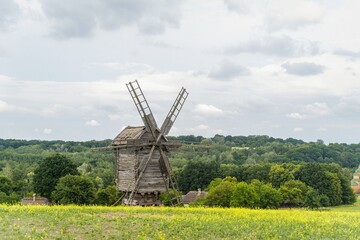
x: 143, y: 169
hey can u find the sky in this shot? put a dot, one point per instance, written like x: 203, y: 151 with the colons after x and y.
x: 265, y: 67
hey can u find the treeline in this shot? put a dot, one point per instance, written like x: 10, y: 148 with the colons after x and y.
x: 268, y: 185
x: 20, y: 158
x: 240, y: 150
x: 196, y: 164
x: 57, y: 145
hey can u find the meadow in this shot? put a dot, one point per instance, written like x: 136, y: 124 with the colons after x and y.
x: 94, y: 222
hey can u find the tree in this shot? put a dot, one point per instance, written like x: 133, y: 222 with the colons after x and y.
x: 269, y: 197
x: 348, y: 195
x: 221, y: 194
x: 278, y: 175
x: 10, y: 199
x: 5, y: 185
x: 325, y: 179
x: 213, y: 184
x: 292, y: 197
x: 246, y: 173
x: 107, y: 196
x: 244, y: 195
x: 74, y: 189
x: 312, y: 199
x: 49, y: 171
x: 293, y: 193
x: 197, y: 174
x: 169, y: 198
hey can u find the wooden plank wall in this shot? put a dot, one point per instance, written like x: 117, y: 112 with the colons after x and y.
x: 127, y: 165
x: 127, y: 171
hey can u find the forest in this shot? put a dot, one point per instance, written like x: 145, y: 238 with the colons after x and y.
x: 298, y: 171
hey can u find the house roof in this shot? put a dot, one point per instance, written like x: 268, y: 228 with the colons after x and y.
x: 129, y: 133
x: 192, y: 195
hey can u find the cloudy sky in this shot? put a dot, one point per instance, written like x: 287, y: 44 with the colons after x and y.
x: 264, y: 67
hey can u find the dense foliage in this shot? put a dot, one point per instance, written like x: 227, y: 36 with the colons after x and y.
x: 49, y: 171
x: 74, y: 190
x: 286, y: 165
x: 325, y: 190
x: 20, y: 160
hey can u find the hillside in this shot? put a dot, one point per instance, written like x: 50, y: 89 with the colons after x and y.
x: 196, y: 164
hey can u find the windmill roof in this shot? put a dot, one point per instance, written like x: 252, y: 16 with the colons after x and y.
x: 129, y: 133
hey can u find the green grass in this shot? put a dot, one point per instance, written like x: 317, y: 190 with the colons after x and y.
x: 348, y: 208
x: 74, y: 222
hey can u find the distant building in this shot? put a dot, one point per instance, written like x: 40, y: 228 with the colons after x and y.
x: 192, y: 196
x: 35, y: 200
x: 355, y: 182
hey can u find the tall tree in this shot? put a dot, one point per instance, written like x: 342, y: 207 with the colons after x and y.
x: 197, y: 174
x: 221, y: 194
x: 269, y: 197
x: 74, y: 190
x: 244, y: 195
x: 5, y: 185
x: 50, y: 170
x: 278, y: 175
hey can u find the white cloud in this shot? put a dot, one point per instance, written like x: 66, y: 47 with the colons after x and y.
x: 92, y: 123
x: 8, y: 13
x: 296, y: 116
x: 280, y: 46
x: 318, y: 109
x: 127, y: 68
x: 114, y: 117
x: 311, y: 111
x: 4, y: 106
x: 207, y: 110
x: 47, y: 130
x: 238, y: 6
x: 81, y: 18
x: 56, y: 109
x: 204, y: 130
x: 125, y: 116
x: 271, y: 40
x: 202, y: 127
x: 322, y: 129
x: 348, y: 53
x: 292, y: 15
x: 298, y: 129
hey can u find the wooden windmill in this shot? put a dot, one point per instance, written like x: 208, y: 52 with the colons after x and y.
x: 143, y: 169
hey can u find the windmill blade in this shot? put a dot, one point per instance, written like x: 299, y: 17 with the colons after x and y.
x: 170, y: 175
x: 174, y: 111
x: 143, y: 107
x: 166, y: 162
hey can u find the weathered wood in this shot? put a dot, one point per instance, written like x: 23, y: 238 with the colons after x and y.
x: 142, y: 168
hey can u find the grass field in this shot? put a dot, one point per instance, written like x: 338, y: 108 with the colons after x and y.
x: 348, y: 208
x: 74, y: 222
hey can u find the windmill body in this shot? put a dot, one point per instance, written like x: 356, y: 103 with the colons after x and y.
x: 143, y: 170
